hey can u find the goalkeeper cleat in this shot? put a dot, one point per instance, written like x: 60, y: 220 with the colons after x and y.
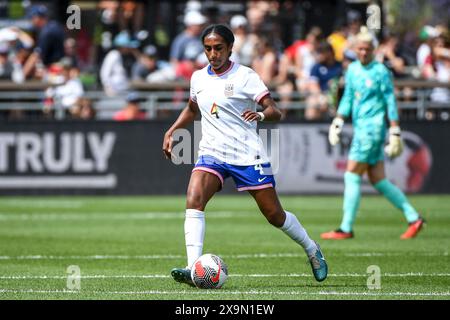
x: 337, y: 235
x: 182, y: 275
x: 413, y: 229
x: 318, y: 264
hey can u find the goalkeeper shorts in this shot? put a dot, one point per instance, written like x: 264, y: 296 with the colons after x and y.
x: 366, y: 150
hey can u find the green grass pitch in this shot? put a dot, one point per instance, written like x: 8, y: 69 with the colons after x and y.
x: 125, y: 248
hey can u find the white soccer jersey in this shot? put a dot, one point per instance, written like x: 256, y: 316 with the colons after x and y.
x: 222, y: 98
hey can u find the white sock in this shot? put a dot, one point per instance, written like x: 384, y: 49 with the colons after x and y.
x: 296, y: 232
x: 194, y: 233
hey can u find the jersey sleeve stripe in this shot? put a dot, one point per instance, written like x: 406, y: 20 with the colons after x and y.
x: 261, y: 95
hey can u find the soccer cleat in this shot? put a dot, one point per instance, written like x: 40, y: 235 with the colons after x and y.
x: 413, y: 229
x: 337, y: 235
x: 182, y: 275
x: 318, y: 265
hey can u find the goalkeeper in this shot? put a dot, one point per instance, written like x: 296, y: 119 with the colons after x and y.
x: 368, y: 98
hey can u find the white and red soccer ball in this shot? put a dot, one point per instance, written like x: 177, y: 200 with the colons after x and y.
x: 209, y: 272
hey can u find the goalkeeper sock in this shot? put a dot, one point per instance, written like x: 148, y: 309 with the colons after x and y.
x: 296, y: 232
x: 397, y: 198
x: 194, y: 233
x: 352, y: 196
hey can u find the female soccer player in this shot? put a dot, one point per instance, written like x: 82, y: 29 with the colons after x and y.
x: 226, y: 93
x: 368, y: 97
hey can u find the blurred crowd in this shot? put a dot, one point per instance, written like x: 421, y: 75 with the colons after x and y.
x: 311, y: 67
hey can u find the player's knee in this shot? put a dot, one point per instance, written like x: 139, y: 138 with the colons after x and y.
x: 194, y: 200
x: 275, y: 217
x: 374, y: 179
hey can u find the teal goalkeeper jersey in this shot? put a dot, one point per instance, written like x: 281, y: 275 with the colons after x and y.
x: 368, y: 98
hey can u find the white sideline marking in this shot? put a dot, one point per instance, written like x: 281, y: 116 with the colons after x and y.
x: 232, y: 256
x: 93, y: 257
x: 291, y: 275
x: 396, y: 254
x: 224, y: 292
x: 97, y: 276
x: 114, y: 216
x: 58, y: 204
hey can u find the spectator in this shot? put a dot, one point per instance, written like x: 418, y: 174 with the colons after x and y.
x: 132, y: 110
x: 244, y: 42
x: 15, y: 45
x: 6, y: 67
x: 70, y: 51
x: 294, y: 67
x: 187, y: 46
x: 113, y: 73
x: 326, y: 70
x: 12, y: 35
x: 50, y: 40
x: 257, y: 10
x: 107, y: 27
x: 288, y: 58
x: 437, y: 68
x: 348, y: 57
x: 193, y: 5
x: 389, y: 54
x: 427, y: 34
x: 66, y: 87
x: 306, y: 58
x: 132, y: 16
x: 266, y: 61
x: 146, y: 64
x: 149, y: 68
x: 343, y: 39
x: 19, y: 58
x: 354, y: 23
x: 83, y: 110
x: 338, y: 40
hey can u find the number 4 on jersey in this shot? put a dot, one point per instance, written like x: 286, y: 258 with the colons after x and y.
x: 215, y: 110
x: 259, y: 168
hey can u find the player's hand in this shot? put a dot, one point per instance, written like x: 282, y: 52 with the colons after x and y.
x: 167, y: 145
x: 395, y: 146
x: 334, y: 133
x: 249, y: 116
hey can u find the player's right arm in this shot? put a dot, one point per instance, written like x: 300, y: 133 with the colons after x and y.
x: 344, y: 110
x: 186, y: 117
x: 346, y: 103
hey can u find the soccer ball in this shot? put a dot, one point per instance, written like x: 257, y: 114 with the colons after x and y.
x: 209, y: 272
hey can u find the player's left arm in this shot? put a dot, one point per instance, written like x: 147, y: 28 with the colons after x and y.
x: 270, y: 111
x: 395, y: 145
x: 390, y: 100
x: 389, y: 96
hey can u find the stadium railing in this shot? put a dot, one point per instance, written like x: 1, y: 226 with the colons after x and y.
x: 173, y: 96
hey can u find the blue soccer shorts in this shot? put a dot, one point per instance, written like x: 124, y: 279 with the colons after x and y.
x: 253, y: 177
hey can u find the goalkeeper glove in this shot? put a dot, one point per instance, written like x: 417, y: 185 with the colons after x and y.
x: 334, y: 134
x: 395, y: 146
